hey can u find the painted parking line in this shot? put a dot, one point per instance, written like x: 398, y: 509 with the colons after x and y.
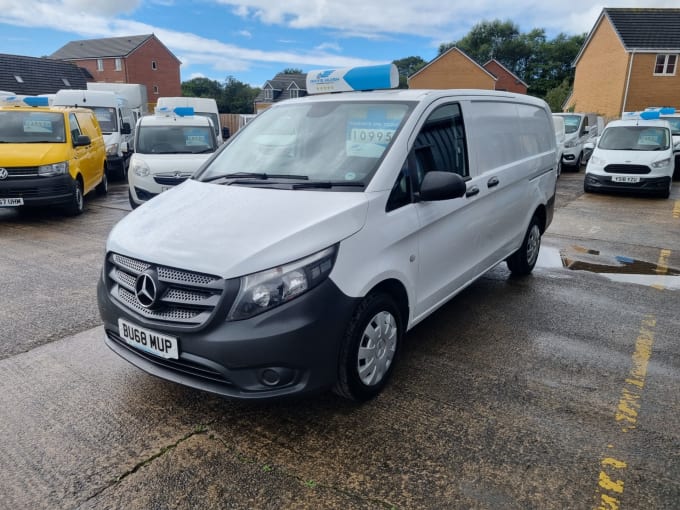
x: 611, y: 477
x: 676, y: 209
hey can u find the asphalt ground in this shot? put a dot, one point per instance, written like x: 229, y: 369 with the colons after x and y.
x: 560, y: 390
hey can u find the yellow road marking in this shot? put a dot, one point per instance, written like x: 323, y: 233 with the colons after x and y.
x: 676, y: 209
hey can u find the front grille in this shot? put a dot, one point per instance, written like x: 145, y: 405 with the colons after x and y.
x: 19, y: 172
x: 185, y: 298
x: 48, y: 190
x: 627, y: 169
x: 178, y: 365
x: 171, y: 180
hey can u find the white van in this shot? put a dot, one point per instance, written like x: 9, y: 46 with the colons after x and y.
x: 116, y: 121
x: 301, y: 253
x: 580, y: 128
x: 560, y: 139
x: 632, y: 155
x: 171, y: 146
x: 204, y: 106
x: 134, y: 94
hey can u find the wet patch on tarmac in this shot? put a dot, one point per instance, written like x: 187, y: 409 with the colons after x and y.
x: 617, y: 268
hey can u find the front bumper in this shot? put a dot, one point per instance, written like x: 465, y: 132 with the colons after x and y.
x: 646, y: 185
x: 39, y: 191
x: 290, y: 350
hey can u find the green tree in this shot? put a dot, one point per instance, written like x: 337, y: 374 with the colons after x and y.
x: 543, y: 64
x: 556, y: 97
x: 238, y: 97
x: 292, y: 70
x: 406, y: 67
x: 202, y: 87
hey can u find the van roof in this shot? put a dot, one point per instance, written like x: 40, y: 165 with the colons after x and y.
x: 174, y: 120
x: 639, y: 122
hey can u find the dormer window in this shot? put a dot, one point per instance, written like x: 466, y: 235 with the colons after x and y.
x: 665, y: 65
x: 269, y: 94
x: 294, y: 93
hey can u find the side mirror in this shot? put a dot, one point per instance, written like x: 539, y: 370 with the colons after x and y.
x: 126, y: 129
x: 441, y: 186
x: 225, y: 133
x: 82, y: 141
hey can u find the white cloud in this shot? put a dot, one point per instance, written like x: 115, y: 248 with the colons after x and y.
x: 245, y: 33
x: 196, y: 75
x: 329, y: 46
x: 429, y: 18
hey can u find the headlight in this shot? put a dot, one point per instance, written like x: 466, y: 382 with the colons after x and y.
x: 661, y: 163
x: 54, y: 169
x: 598, y: 161
x: 265, y: 290
x: 112, y: 150
x: 570, y: 144
x: 140, y: 168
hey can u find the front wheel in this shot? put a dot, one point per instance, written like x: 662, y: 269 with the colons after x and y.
x: 522, y: 262
x: 369, y: 348
x: 579, y: 162
x: 77, y: 203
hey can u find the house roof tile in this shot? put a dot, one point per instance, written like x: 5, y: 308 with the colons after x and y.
x: 646, y: 29
x: 100, y: 48
x: 39, y: 75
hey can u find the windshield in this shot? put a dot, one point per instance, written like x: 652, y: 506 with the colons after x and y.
x: 175, y: 140
x: 106, y: 117
x: 31, y: 127
x: 331, y: 141
x: 675, y: 124
x: 571, y: 123
x: 635, y: 138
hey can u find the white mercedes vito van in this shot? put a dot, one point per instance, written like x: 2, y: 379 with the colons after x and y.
x: 299, y: 255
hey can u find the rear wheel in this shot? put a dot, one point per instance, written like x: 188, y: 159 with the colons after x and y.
x: 77, y: 203
x: 369, y: 348
x: 522, y: 262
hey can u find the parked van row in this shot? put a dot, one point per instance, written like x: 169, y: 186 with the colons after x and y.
x: 49, y: 155
x: 300, y: 254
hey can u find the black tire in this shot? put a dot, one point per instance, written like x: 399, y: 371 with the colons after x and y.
x: 667, y: 192
x: 132, y: 202
x: 579, y: 162
x: 586, y: 188
x: 103, y: 187
x: 377, y: 312
x: 77, y: 204
x: 522, y: 262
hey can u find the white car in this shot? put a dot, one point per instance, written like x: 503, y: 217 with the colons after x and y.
x: 298, y: 257
x: 632, y: 155
x: 171, y: 146
x: 580, y: 128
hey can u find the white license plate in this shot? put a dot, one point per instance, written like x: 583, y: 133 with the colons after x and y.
x: 147, y: 340
x: 11, y: 202
x: 625, y: 178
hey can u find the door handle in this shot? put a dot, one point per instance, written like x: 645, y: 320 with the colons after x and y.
x: 472, y: 192
x: 492, y: 182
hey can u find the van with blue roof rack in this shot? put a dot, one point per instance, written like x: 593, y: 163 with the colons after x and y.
x: 299, y: 255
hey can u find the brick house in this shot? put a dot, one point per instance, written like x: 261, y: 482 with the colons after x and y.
x: 453, y: 69
x: 32, y: 76
x: 628, y: 62
x: 282, y: 86
x: 134, y: 59
x: 505, y: 78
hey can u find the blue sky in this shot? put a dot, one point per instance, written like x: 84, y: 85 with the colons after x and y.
x: 252, y: 40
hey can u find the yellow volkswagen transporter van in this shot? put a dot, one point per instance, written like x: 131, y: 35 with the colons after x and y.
x: 49, y: 156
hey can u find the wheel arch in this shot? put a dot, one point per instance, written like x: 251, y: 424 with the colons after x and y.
x: 397, y: 291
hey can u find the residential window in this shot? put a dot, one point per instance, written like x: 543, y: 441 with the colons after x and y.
x: 268, y: 94
x: 294, y: 93
x: 154, y: 66
x: 100, y: 64
x: 155, y: 89
x: 665, y: 65
x: 119, y: 65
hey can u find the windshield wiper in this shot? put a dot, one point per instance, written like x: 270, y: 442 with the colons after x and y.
x: 328, y: 184
x: 255, y: 175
